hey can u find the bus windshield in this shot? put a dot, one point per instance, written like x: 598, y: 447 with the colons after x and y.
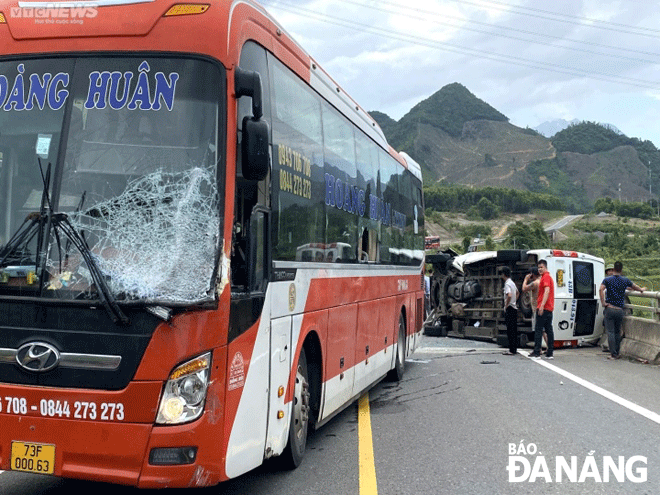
x: 109, y: 166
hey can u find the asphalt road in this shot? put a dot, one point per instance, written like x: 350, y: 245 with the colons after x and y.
x: 449, y: 426
x: 563, y: 222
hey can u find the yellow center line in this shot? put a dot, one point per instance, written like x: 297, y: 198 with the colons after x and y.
x: 368, y: 484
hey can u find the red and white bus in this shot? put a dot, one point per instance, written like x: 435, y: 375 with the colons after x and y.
x: 162, y: 164
x: 432, y: 242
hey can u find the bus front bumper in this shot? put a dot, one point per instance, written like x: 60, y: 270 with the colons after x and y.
x: 60, y: 433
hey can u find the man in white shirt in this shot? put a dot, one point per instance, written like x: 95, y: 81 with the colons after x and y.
x: 510, y: 311
x: 427, y: 295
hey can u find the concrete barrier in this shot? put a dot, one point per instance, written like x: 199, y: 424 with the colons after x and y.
x: 641, y: 339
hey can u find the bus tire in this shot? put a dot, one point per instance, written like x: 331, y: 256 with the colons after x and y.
x: 396, y: 374
x: 294, y: 452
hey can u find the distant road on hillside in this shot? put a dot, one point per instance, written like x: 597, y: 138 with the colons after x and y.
x: 563, y: 222
x: 555, y: 226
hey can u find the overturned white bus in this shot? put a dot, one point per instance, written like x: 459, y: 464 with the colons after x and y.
x: 467, y: 301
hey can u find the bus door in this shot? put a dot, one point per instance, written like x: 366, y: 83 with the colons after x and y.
x: 584, y: 294
x: 250, y: 268
x: 280, y: 368
x: 563, y: 315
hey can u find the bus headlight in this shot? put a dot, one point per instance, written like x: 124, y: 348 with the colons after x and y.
x: 185, y: 391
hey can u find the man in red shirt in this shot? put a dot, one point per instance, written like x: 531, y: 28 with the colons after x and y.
x: 545, y: 304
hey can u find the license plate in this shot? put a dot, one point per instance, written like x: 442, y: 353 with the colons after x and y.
x: 33, y: 457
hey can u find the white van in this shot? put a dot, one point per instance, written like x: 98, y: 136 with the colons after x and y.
x: 466, y: 295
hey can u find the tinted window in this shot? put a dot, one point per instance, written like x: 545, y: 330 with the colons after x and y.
x: 298, y: 180
x: 338, y: 196
x: 386, y: 202
x: 583, y: 278
x: 341, y: 180
x: 418, y: 222
x: 368, y: 184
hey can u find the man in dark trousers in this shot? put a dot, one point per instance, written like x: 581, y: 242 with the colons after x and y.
x: 510, y: 310
x: 545, y: 304
x: 616, y: 286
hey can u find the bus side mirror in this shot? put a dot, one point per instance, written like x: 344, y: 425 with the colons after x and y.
x: 255, y: 156
x: 254, y: 149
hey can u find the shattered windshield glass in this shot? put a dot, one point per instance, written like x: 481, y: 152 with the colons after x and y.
x: 109, y: 180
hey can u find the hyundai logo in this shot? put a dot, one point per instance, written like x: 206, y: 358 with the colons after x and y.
x: 38, y: 357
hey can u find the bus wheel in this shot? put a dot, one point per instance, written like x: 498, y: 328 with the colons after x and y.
x: 295, y: 449
x: 396, y: 374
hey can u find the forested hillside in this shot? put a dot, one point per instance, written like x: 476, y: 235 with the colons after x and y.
x: 460, y: 139
x: 588, y: 138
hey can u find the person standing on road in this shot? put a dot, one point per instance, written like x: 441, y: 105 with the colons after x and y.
x: 427, y: 294
x: 616, y: 286
x: 510, y: 311
x: 531, y: 284
x: 545, y: 304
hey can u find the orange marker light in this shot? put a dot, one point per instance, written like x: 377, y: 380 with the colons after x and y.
x: 190, y: 367
x: 280, y: 391
x: 2, y: 18
x: 187, y: 9
x: 280, y: 414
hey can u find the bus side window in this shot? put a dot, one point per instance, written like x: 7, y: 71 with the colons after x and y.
x: 249, y: 193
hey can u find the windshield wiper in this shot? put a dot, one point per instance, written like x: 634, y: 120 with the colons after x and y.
x: 39, y: 224
x: 11, y: 252
x: 61, y: 222
x: 31, y: 226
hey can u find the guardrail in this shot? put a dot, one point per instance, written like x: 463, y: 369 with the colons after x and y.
x: 652, y: 308
x: 642, y: 335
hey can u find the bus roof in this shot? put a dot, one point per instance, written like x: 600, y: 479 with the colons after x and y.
x: 413, y: 166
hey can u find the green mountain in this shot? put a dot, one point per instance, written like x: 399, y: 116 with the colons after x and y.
x: 621, y: 157
x: 588, y: 138
x: 449, y: 109
x: 460, y: 139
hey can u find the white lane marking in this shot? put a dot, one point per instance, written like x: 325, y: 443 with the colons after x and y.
x: 655, y: 417
x: 456, y: 350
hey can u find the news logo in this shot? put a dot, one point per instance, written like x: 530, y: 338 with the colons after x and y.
x: 55, y: 12
x: 527, y: 464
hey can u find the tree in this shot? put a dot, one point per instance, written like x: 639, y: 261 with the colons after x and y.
x: 466, y: 244
x: 604, y: 204
x: 487, y: 209
x: 523, y: 236
x: 474, y: 214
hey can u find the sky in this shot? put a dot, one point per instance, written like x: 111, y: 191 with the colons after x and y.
x: 532, y: 60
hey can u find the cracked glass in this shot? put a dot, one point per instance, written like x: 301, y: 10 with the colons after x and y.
x: 109, y: 178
